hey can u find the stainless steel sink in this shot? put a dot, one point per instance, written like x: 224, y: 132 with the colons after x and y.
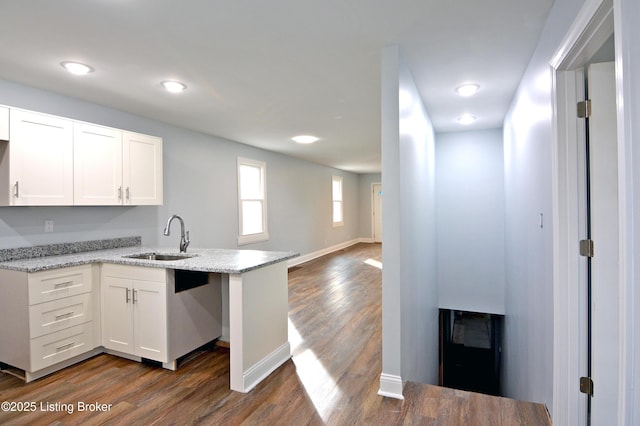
x: 160, y: 256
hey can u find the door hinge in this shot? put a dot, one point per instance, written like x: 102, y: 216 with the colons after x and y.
x: 586, y: 385
x: 586, y: 248
x: 584, y: 109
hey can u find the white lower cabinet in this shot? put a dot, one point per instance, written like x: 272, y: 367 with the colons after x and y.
x: 134, y: 311
x: 53, y: 348
x: 55, y: 318
x: 48, y: 319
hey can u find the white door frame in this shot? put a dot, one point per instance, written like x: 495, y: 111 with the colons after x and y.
x: 593, y: 25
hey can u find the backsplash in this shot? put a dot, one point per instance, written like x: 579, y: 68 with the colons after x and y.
x: 58, y: 249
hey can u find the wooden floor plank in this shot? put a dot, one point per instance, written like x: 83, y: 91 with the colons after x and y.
x: 332, y: 378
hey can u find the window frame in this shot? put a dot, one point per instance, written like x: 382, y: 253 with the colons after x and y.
x: 264, y: 235
x: 334, y: 200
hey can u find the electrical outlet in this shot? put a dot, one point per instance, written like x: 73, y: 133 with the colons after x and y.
x: 48, y: 226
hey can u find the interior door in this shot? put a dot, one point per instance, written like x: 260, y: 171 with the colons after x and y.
x: 602, y: 229
x: 377, y: 212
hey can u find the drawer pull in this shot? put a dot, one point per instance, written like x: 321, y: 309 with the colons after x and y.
x: 62, y: 285
x: 63, y: 347
x: 64, y: 316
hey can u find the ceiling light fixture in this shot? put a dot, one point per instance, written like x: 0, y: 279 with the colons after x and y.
x: 467, y: 89
x: 305, y: 139
x: 174, y: 86
x: 76, y: 67
x: 466, y: 119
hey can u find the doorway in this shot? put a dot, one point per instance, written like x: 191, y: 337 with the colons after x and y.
x: 586, y: 339
x: 376, y: 212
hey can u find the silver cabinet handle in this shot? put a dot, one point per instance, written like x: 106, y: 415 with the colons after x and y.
x: 135, y: 299
x: 16, y: 193
x: 120, y: 193
x: 128, y: 194
x: 127, y: 296
x: 60, y: 286
x: 64, y: 316
x: 63, y: 347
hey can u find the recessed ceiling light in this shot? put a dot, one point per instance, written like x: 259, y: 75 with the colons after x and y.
x: 467, y: 89
x: 174, y: 86
x: 76, y: 68
x: 306, y: 139
x: 466, y: 119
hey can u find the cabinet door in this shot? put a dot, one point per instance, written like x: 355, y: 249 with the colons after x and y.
x: 150, y: 319
x: 41, y: 154
x: 97, y: 165
x: 142, y: 169
x: 117, y: 314
x: 4, y: 123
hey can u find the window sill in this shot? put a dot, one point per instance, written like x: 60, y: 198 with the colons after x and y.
x: 253, y: 238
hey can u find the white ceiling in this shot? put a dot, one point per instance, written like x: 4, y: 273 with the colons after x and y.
x: 260, y: 72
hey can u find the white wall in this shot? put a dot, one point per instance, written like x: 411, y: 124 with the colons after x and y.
x: 470, y: 217
x: 199, y: 184
x: 528, y: 136
x: 410, y: 291
x: 391, y: 378
x: 627, y: 33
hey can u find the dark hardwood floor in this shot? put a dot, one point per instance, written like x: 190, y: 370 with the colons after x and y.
x: 332, y: 378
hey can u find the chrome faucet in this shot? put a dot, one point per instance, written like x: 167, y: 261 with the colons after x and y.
x: 184, y: 242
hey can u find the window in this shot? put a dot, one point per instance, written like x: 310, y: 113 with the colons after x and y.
x: 252, y: 201
x: 336, y: 189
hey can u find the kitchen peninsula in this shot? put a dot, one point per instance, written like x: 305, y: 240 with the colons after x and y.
x: 56, y: 301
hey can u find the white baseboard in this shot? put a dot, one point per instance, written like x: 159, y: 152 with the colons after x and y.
x: 265, y: 366
x: 391, y: 386
x: 316, y: 254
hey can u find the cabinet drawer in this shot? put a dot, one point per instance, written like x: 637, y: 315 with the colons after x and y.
x: 55, y: 284
x: 61, y: 345
x: 59, y: 314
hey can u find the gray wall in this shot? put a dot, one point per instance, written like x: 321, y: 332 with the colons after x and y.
x: 391, y: 283
x: 410, y: 290
x: 628, y: 39
x: 528, y: 136
x: 200, y: 184
x: 470, y: 209
x: 418, y: 230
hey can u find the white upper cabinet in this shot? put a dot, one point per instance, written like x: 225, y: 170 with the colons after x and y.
x: 4, y: 123
x: 41, y: 159
x: 142, y: 169
x: 51, y: 160
x: 97, y: 164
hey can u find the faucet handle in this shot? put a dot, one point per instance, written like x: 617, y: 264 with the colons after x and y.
x: 184, y: 243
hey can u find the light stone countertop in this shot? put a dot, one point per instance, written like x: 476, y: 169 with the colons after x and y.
x: 227, y: 261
